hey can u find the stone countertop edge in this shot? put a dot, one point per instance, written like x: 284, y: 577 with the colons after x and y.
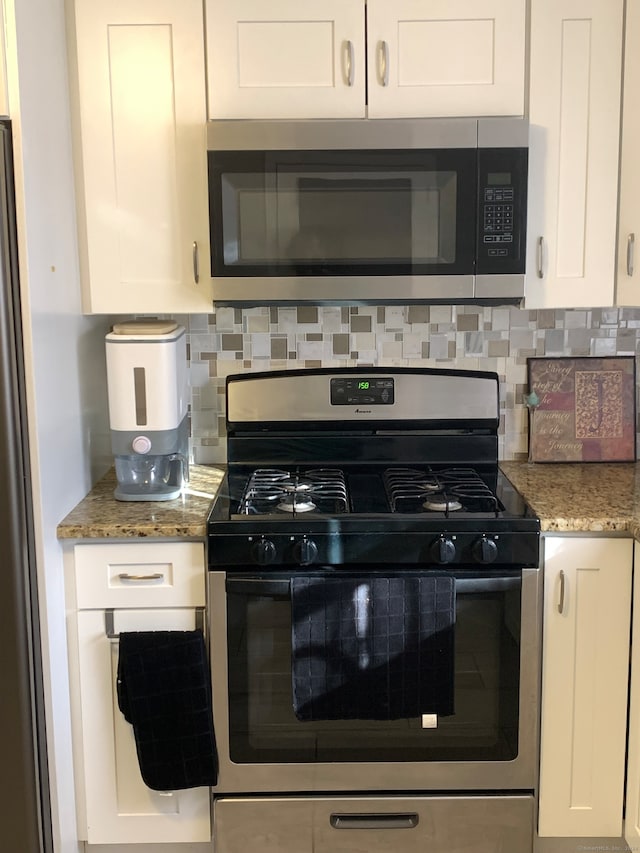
x: 596, y: 497
x: 100, y: 516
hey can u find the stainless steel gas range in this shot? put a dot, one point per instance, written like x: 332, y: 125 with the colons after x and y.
x: 374, y: 600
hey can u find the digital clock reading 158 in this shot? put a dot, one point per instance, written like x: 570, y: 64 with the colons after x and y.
x: 362, y: 392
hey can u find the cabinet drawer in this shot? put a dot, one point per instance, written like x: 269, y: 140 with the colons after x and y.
x: 149, y: 574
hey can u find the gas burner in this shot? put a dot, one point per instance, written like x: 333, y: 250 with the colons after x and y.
x: 448, y: 490
x: 268, y: 490
x: 442, y: 502
x: 291, y: 504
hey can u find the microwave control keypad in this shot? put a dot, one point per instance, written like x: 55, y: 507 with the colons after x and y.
x: 498, y: 219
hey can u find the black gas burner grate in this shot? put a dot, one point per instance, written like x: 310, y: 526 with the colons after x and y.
x: 447, y: 491
x: 283, y: 492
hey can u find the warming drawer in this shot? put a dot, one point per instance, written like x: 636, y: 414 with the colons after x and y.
x: 487, y: 824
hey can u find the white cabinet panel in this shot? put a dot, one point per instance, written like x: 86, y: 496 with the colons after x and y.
x: 113, y: 803
x: 286, y: 59
x: 119, y: 806
x: 443, y: 58
x: 632, y: 804
x: 574, y: 113
x: 628, y: 278
x: 292, y: 59
x: 147, y: 574
x: 584, y: 685
x: 141, y: 155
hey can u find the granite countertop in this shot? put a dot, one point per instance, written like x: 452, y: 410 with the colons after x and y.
x: 573, y: 497
x: 101, y: 516
x: 602, y: 496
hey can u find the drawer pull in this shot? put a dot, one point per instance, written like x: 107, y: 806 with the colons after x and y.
x: 112, y: 634
x: 393, y: 820
x: 125, y: 576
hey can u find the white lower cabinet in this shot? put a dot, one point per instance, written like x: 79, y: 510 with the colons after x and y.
x: 114, y: 804
x: 585, y: 668
x: 632, y: 808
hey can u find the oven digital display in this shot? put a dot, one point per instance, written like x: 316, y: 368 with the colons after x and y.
x: 362, y: 390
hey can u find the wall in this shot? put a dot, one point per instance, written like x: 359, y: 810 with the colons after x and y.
x: 472, y: 337
x: 64, y: 351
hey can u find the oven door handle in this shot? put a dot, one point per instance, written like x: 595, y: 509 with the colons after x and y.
x: 280, y: 588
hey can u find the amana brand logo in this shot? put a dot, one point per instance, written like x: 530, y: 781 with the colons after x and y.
x: 363, y: 411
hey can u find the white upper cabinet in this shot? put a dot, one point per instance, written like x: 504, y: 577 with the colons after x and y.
x: 628, y: 279
x: 285, y: 58
x: 306, y: 58
x: 574, y: 113
x: 445, y: 57
x: 141, y: 155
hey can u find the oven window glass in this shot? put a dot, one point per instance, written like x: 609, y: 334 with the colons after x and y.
x: 286, y: 213
x: 484, y: 727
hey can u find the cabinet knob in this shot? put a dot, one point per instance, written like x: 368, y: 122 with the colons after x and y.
x: 631, y: 240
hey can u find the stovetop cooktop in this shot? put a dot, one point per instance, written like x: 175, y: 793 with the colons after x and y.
x: 349, y: 467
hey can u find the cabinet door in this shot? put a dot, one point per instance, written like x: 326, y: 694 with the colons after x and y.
x: 286, y: 58
x: 446, y: 57
x: 632, y: 809
x: 584, y: 685
x: 142, y: 179
x: 574, y: 113
x: 628, y: 278
x: 119, y: 807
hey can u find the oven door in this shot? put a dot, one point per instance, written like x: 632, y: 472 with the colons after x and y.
x: 489, y: 743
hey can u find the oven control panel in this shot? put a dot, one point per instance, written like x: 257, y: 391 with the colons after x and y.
x: 448, y: 550
x: 362, y: 390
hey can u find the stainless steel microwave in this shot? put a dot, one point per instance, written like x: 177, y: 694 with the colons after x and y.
x: 368, y: 211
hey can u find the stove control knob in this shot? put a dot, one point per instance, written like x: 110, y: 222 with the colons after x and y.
x: 485, y: 550
x: 264, y: 552
x: 305, y: 551
x: 444, y: 550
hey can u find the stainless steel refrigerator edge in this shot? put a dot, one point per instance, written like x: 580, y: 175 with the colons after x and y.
x: 24, y: 789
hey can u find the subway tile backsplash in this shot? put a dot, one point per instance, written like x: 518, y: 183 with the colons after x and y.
x: 233, y: 340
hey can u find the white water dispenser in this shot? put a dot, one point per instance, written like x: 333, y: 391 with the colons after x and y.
x: 147, y: 387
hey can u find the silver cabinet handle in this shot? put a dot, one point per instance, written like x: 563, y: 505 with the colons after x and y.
x: 631, y: 240
x: 384, y: 63
x: 540, y: 257
x: 374, y: 821
x: 351, y: 65
x: 196, y: 263
x: 125, y: 576
x: 561, y: 599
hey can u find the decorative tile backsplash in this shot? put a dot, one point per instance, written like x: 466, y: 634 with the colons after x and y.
x: 234, y: 340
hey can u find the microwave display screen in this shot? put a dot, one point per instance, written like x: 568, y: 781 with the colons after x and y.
x: 499, y: 179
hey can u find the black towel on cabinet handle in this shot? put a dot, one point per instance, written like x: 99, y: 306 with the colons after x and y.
x: 164, y: 691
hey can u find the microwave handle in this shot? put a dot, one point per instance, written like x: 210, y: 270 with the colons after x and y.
x: 540, y: 257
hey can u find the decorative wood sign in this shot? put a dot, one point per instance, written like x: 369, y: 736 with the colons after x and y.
x: 582, y: 409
